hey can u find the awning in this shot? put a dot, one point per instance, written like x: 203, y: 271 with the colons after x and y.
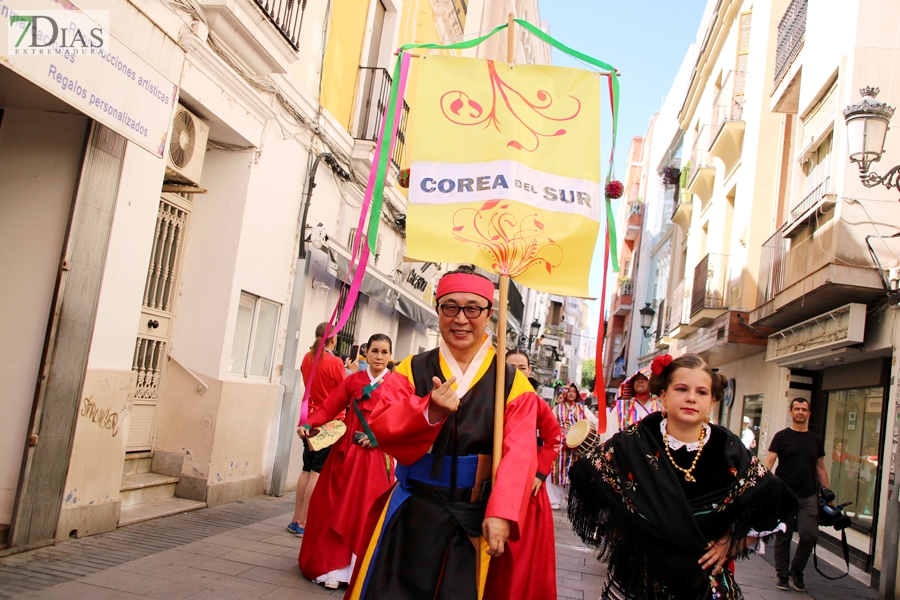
x: 378, y: 286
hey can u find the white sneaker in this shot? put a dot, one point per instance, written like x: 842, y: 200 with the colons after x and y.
x: 332, y: 584
x: 554, y: 506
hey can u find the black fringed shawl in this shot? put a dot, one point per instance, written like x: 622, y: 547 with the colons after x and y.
x: 652, y: 527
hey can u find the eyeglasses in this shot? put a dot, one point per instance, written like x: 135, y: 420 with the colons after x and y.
x: 471, y: 312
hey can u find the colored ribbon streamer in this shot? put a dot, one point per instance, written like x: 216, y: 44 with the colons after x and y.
x: 599, y: 380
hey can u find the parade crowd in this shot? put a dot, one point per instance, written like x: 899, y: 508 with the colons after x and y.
x: 396, y: 499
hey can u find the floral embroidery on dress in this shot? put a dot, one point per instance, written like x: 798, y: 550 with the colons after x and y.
x: 602, y: 459
x: 755, y: 472
x: 654, y: 459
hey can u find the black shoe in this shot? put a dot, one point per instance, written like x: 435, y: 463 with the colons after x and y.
x: 782, y: 583
x: 797, y: 581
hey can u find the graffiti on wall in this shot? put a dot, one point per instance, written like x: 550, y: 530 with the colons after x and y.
x: 104, y: 418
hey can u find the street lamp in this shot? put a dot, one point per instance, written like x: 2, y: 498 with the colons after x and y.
x: 535, y: 329
x: 867, y: 126
x: 647, y: 314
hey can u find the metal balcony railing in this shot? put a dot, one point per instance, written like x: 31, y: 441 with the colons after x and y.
x: 375, y: 83
x: 710, y: 280
x: 791, y: 31
x: 460, y: 8
x: 699, y: 153
x: 626, y: 287
x: 680, y: 309
x: 729, y: 102
x: 811, y: 199
x: 287, y: 16
x: 771, y: 267
x: 662, y: 321
x: 635, y: 208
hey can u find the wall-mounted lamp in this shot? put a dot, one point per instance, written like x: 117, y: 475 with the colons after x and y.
x: 321, y: 289
x: 647, y: 314
x: 867, y: 126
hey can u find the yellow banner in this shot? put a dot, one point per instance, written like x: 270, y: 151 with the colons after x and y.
x: 505, y: 170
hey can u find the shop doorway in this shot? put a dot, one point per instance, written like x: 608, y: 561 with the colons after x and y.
x: 853, y: 450
x: 750, y: 420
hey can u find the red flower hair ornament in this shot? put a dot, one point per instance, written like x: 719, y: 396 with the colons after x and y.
x: 659, y: 363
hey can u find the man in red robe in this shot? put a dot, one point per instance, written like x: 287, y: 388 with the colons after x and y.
x: 440, y: 525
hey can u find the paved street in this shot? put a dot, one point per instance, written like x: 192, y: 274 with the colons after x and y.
x: 242, y: 550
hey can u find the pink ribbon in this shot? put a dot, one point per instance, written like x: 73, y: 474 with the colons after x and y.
x: 360, y: 252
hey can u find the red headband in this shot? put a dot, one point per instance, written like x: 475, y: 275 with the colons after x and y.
x: 464, y: 282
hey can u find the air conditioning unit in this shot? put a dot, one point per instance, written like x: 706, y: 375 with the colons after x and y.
x: 187, y: 147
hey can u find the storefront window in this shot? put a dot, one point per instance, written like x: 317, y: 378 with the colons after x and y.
x: 752, y: 415
x: 852, y: 448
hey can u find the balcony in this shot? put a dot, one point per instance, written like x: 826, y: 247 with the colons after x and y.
x: 771, y: 267
x: 375, y: 91
x: 623, y: 300
x: 266, y: 43
x: 791, y: 33
x: 813, y: 274
x: 702, y: 174
x: 727, y: 338
x: 680, y: 311
x: 728, y: 120
x: 681, y: 211
x: 286, y: 16
x: 635, y: 218
x: 662, y: 325
x: 805, y: 209
x: 460, y: 8
x: 708, y: 298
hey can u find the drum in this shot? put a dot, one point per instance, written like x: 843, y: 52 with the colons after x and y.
x: 582, y: 437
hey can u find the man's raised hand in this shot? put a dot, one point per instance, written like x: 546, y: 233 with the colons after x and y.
x: 443, y: 400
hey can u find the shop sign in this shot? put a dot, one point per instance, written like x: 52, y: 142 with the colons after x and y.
x: 418, y: 280
x: 72, y: 55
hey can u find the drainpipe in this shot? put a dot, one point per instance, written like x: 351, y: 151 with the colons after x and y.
x: 290, y: 375
x: 889, y: 554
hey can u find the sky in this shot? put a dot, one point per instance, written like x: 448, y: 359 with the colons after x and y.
x: 646, y: 40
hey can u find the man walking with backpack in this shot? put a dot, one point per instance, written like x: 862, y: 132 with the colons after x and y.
x: 801, y: 466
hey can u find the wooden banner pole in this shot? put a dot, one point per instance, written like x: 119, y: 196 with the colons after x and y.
x: 500, y: 391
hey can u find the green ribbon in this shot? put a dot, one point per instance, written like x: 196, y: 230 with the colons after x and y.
x: 366, y: 394
x: 378, y: 192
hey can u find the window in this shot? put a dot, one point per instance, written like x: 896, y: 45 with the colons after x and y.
x: 254, y: 336
x: 347, y: 336
x: 852, y: 449
x: 818, y: 166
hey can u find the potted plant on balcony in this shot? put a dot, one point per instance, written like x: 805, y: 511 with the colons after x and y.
x: 625, y: 285
x: 671, y: 175
x: 685, y: 173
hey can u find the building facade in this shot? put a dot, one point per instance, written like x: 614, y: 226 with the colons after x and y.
x: 778, y: 263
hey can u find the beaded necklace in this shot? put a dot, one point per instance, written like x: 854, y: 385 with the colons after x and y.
x: 687, y: 472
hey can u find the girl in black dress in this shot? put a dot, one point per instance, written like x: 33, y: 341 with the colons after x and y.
x: 669, y: 516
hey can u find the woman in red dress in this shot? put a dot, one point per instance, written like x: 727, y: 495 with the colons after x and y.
x: 355, y: 474
x: 529, y: 565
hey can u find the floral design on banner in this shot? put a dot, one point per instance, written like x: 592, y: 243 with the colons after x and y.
x: 454, y: 103
x: 516, y: 243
